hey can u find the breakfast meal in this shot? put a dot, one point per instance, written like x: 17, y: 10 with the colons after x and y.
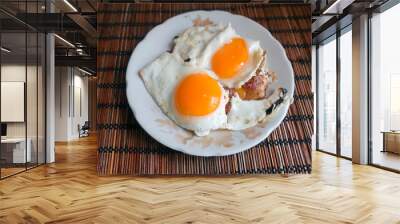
x: 213, y: 79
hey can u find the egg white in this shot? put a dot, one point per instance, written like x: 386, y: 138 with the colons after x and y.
x: 200, y: 43
x: 248, y: 113
x: 162, y: 76
x: 193, y: 40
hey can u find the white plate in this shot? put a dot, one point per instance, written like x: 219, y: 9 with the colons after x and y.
x: 217, y: 143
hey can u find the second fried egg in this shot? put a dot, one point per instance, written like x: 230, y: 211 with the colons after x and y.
x: 232, y: 58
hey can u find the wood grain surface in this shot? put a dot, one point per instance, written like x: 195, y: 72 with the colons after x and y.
x: 70, y: 191
x: 124, y: 148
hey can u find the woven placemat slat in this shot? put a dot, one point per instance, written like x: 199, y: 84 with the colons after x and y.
x: 125, y: 148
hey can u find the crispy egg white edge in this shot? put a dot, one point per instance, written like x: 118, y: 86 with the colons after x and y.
x: 189, y: 43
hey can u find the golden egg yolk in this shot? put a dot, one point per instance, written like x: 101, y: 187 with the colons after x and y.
x: 197, y: 94
x: 230, y: 58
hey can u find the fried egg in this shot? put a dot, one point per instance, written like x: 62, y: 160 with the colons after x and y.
x: 188, y: 95
x: 232, y: 58
x: 193, y: 84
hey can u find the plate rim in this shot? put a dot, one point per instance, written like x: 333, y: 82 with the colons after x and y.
x: 283, y: 109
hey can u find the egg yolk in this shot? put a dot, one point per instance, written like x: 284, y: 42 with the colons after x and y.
x: 230, y: 58
x: 197, y: 94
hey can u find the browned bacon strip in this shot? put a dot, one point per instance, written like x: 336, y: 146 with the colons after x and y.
x: 255, y: 88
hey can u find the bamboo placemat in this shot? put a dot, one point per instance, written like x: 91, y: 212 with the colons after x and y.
x: 125, y: 148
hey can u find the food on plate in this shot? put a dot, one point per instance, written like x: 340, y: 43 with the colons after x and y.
x: 190, y: 96
x: 213, y: 79
x: 248, y: 113
x: 219, y: 48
